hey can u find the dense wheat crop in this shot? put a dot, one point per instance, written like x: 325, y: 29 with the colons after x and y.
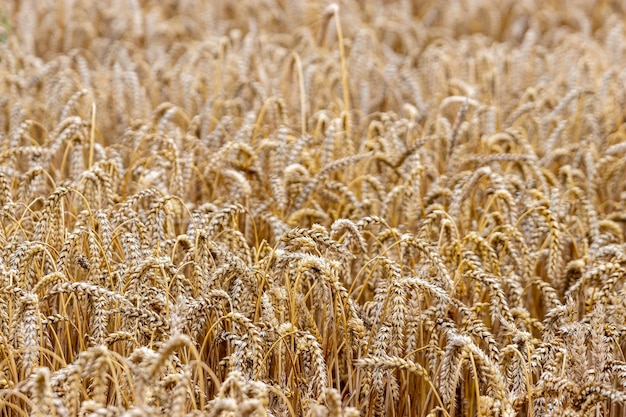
x: 298, y: 208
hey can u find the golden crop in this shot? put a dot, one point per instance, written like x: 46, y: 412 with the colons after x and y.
x: 297, y: 208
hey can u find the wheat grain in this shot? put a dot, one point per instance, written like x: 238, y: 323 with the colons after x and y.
x: 312, y: 209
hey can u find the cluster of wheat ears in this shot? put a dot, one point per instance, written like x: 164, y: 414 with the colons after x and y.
x: 296, y: 208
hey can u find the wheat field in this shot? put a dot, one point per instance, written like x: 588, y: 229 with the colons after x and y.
x: 304, y: 208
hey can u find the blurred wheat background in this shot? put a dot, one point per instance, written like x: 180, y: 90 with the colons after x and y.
x: 298, y: 208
